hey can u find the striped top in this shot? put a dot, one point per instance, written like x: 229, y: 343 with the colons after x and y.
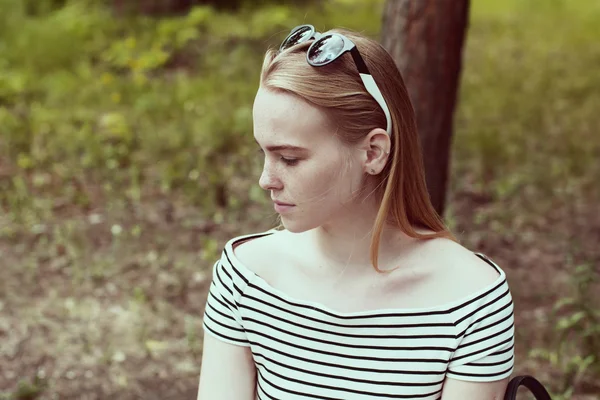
x: 306, y: 351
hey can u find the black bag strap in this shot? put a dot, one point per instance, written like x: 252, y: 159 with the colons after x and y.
x: 538, y: 390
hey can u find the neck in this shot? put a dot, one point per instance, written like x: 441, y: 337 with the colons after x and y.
x: 344, y: 242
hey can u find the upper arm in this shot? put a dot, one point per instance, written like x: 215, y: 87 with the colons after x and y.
x: 455, y: 389
x: 227, y: 371
x: 481, y: 365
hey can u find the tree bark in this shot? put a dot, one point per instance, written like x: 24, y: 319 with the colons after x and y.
x: 426, y: 38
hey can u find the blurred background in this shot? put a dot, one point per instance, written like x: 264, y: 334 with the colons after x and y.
x: 127, y: 160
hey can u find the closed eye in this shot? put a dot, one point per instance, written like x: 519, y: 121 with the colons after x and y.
x: 288, y: 161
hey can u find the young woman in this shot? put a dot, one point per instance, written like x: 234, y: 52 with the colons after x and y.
x: 364, y: 294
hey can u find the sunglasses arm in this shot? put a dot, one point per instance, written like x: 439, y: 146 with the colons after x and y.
x: 371, y: 86
x: 373, y: 89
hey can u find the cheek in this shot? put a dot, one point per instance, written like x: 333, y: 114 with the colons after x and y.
x: 333, y: 179
x: 350, y: 181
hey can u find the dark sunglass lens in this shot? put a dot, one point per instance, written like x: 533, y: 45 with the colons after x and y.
x: 326, y: 50
x: 301, y: 35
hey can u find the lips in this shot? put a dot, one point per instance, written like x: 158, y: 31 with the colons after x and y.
x: 280, y: 203
x: 282, y: 208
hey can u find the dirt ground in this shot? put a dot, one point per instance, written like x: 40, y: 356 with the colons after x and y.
x: 101, y: 305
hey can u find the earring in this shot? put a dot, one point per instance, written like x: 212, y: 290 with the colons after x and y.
x: 372, y: 171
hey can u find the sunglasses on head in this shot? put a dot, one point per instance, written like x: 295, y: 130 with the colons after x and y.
x: 327, y: 48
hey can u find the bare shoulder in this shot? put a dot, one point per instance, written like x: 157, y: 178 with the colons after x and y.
x: 259, y: 254
x: 456, y: 264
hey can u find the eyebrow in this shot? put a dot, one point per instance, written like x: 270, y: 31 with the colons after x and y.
x: 283, y: 147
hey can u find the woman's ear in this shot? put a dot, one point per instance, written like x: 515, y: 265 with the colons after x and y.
x: 377, y: 147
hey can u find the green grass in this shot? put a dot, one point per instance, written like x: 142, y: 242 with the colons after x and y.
x: 528, y: 105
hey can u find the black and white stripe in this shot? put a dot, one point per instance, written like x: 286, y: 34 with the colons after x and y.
x: 304, y: 351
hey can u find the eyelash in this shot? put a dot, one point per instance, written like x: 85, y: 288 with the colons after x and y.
x: 288, y: 161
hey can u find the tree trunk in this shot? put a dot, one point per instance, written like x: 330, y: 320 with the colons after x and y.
x: 426, y: 37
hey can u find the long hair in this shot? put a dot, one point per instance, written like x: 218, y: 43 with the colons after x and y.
x: 337, y: 89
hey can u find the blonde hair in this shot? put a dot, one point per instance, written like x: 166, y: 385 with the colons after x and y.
x: 338, y: 90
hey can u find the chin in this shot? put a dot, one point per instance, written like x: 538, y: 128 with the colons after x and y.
x: 296, y: 226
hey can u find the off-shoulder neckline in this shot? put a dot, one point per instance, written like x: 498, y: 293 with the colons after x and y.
x: 444, y: 308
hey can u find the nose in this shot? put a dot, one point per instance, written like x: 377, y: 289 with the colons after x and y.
x: 268, y: 180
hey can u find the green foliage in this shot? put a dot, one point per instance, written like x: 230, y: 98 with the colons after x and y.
x: 26, y: 390
x: 90, y: 101
x: 528, y: 108
x: 576, y: 348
